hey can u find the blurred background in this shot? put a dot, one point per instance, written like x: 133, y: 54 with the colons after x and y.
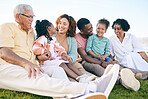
x: 134, y: 11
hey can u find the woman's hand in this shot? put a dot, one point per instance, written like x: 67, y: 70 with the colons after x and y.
x: 65, y: 57
x: 69, y: 59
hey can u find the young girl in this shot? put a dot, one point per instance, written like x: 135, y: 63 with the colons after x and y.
x: 57, y: 56
x: 98, y: 45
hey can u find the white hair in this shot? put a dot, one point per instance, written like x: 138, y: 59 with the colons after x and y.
x: 21, y: 9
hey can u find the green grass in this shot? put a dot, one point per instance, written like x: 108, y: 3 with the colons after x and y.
x: 9, y: 94
x: 118, y: 92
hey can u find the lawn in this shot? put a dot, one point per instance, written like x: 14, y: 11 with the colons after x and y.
x: 118, y: 92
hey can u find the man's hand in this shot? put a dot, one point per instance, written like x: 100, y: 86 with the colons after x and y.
x: 116, y: 62
x: 32, y: 69
x: 105, y: 64
x: 12, y: 58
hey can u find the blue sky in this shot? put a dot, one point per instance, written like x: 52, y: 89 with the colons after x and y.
x: 134, y: 11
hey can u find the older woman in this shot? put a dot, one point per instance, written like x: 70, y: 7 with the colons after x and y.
x: 126, y: 47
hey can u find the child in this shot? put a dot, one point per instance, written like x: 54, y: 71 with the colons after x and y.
x: 57, y: 56
x: 98, y: 45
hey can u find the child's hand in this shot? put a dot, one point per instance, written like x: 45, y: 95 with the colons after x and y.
x: 48, y: 54
x: 102, y: 58
x: 98, y: 56
x: 45, y: 56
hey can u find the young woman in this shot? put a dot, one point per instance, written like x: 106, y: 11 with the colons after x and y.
x: 57, y: 56
x: 66, y: 30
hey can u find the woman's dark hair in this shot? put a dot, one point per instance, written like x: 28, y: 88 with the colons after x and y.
x: 104, y: 21
x: 72, y: 25
x: 82, y: 22
x: 124, y: 24
x: 41, y: 28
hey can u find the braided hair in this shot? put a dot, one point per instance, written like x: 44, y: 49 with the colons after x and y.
x: 41, y: 28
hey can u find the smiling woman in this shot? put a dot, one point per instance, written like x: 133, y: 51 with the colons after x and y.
x: 127, y: 48
x: 18, y: 68
x: 76, y: 9
x: 66, y: 30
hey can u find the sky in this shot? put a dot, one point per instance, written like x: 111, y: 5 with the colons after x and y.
x: 134, y: 11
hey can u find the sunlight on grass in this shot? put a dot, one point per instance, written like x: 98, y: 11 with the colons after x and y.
x: 118, y: 92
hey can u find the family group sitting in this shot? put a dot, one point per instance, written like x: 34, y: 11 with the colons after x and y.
x: 61, y: 63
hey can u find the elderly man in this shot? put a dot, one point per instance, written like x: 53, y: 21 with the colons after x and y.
x: 18, y: 69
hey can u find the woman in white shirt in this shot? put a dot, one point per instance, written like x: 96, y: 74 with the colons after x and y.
x: 127, y: 48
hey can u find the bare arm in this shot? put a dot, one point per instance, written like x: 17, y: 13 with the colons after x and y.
x: 106, y: 55
x: 12, y: 58
x: 45, y: 56
x: 65, y: 57
x: 87, y: 58
x: 144, y: 56
x: 94, y: 55
x: 103, y: 57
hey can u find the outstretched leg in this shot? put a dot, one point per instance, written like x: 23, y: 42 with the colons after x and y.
x: 69, y: 72
x: 104, y: 84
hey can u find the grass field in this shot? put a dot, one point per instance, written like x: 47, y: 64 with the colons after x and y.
x: 118, y: 92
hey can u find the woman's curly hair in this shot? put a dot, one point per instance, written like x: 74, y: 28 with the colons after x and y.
x: 124, y: 24
x: 72, y: 25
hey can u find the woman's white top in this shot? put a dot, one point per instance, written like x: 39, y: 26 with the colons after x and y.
x: 126, y: 52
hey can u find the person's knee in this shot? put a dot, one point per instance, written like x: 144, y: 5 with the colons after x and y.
x: 63, y: 65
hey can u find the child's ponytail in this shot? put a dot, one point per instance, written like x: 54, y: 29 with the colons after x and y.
x: 41, y: 28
